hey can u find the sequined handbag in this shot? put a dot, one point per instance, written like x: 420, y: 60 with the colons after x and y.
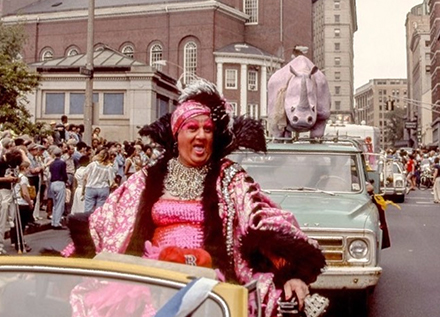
x: 314, y: 306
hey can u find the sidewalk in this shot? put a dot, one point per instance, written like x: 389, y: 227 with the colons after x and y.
x: 44, y: 224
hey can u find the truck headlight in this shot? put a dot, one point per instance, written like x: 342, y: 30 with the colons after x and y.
x: 358, y: 249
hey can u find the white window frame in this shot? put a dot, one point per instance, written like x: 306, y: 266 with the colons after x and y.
x: 128, y: 50
x: 337, y: 4
x: 156, y: 54
x: 250, y: 7
x: 99, y: 95
x: 252, y: 110
x: 337, y: 61
x: 73, y: 51
x: 231, y: 78
x: 252, y: 80
x: 337, y: 32
x: 46, y: 54
x: 189, y: 61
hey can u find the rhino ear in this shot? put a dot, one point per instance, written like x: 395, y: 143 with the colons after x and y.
x: 313, y: 71
x: 293, y: 71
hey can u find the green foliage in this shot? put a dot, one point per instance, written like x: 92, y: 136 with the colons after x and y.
x: 16, y: 80
x: 395, y: 127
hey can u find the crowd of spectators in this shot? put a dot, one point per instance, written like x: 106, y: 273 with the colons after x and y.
x: 68, y: 175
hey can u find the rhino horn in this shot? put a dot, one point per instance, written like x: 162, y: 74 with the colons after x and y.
x: 314, y: 70
x: 293, y: 71
x: 303, y: 98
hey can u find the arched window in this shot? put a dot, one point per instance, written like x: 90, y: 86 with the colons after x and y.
x: 128, y: 51
x: 156, y: 55
x: 47, y: 55
x: 190, y: 61
x: 72, y: 52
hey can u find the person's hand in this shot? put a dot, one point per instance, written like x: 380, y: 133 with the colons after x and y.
x: 299, y: 287
x: 11, y: 179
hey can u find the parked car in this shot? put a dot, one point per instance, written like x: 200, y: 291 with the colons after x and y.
x: 393, y: 179
x: 113, y: 284
x: 324, y: 185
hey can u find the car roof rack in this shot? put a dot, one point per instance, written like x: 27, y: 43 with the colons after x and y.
x: 344, y: 140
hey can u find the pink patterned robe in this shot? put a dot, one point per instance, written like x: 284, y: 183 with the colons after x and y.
x: 111, y: 226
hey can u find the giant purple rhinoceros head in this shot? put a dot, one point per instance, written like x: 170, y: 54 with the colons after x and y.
x: 298, y: 99
x: 301, y: 101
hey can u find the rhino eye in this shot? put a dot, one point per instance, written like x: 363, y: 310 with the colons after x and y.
x: 313, y: 108
x: 292, y: 109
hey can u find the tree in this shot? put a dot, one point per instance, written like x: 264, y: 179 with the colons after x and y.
x: 16, y: 80
x: 395, y: 125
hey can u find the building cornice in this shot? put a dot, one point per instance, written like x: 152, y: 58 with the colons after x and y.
x: 252, y: 59
x: 134, y: 10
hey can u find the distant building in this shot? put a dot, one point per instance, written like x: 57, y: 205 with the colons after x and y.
x: 127, y: 94
x: 236, y: 44
x: 418, y: 49
x: 434, y: 9
x: 335, y: 23
x: 371, y: 103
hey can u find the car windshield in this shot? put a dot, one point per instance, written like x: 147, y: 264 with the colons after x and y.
x: 46, y: 292
x: 302, y: 171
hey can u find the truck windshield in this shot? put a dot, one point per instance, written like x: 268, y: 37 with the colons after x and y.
x: 287, y: 171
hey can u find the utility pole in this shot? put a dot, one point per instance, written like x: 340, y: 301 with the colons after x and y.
x: 88, y: 71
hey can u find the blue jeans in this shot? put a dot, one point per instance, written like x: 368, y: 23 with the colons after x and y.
x: 59, y: 197
x: 95, y: 197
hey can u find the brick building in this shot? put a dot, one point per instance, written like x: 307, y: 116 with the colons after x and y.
x: 235, y: 43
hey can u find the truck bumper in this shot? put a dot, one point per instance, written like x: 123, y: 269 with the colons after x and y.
x: 348, y: 278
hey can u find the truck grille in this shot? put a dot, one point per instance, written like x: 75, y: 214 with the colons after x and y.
x: 332, y: 248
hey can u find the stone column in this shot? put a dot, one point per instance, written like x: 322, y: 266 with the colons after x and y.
x: 263, y: 92
x: 220, y: 77
x: 243, y: 89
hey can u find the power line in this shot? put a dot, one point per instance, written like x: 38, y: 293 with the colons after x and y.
x: 418, y: 103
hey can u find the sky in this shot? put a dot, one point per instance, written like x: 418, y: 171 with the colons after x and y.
x: 379, y: 42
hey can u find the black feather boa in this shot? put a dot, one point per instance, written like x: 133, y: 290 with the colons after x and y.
x: 303, y: 260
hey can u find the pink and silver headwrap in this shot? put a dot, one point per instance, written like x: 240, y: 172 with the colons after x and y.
x: 201, y: 97
x: 186, y: 110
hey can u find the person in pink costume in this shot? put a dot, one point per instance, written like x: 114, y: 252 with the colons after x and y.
x: 195, y: 200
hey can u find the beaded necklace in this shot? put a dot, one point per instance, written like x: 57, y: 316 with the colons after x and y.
x: 185, y: 182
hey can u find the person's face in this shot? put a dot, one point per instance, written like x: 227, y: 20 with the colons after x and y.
x: 194, y: 141
x: 95, y: 143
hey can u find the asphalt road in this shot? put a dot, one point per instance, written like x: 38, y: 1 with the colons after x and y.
x: 409, y: 285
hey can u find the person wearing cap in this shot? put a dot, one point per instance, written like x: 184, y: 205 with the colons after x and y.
x: 58, y: 180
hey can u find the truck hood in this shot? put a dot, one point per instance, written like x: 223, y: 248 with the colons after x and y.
x: 319, y: 210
